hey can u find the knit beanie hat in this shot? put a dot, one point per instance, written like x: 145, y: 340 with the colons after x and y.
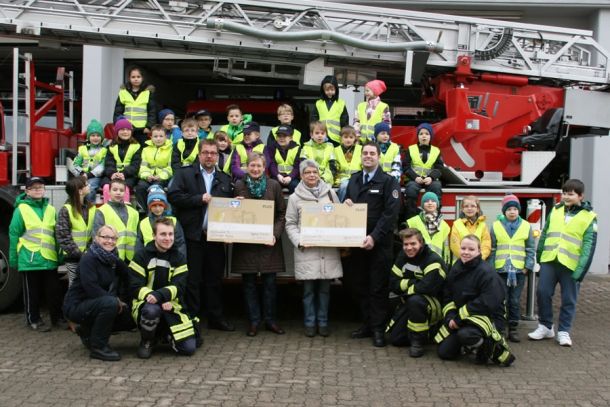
x: 426, y: 126
x: 156, y: 195
x: 377, y: 86
x: 510, y: 201
x: 95, y: 127
x: 382, y: 126
x: 430, y: 196
x: 163, y: 113
x: 122, y: 124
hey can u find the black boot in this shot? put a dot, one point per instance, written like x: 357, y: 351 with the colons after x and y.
x: 416, y: 350
x: 513, y: 334
x: 145, y: 349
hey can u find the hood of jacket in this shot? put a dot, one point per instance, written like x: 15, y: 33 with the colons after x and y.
x: 329, y: 79
x: 23, y: 198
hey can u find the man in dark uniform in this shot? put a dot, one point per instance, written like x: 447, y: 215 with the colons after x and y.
x: 368, y: 267
x: 190, y: 192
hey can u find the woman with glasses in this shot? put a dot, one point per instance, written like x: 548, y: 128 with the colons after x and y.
x: 94, y: 298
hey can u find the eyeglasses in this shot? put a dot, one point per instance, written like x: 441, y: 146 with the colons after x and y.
x: 35, y: 188
x: 111, y: 238
x: 208, y: 153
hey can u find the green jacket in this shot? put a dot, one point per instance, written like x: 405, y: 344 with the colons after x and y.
x: 26, y: 260
x: 589, y: 241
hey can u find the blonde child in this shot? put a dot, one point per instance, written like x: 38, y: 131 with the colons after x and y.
x: 319, y: 150
x: 347, y: 159
x: 251, y: 143
x: 123, y: 159
x: 186, y: 149
x: 471, y: 222
x: 390, y: 160
x: 331, y: 110
x: 236, y: 123
x: 371, y: 111
x: 156, y: 167
x: 89, y: 162
x: 285, y: 115
x: 283, y: 158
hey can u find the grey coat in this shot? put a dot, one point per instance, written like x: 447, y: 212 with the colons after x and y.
x: 313, y: 263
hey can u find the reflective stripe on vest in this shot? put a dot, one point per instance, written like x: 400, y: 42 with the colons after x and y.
x: 345, y: 169
x: 320, y: 153
x: 564, y: 240
x: 436, y: 242
x: 332, y: 117
x: 81, y: 232
x: 423, y: 168
x: 286, y: 166
x: 126, y: 243
x: 89, y: 162
x: 243, y: 153
x: 156, y: 160
x: 39, y: 233
x: 131, y: 151
x: 147, y: 230
x: 135, y: 110
x: 512, y: 248
x: 386, y: 160
x: 296, y: 135
x: 367, y: 126
x: 184, y: 161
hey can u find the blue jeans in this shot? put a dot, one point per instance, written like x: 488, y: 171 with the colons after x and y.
x: 252, y: 300
x: 551, y: 274
x: 94, y: 184
x: 342, y: 191
x: 316, y: 296
x: 513, y: 298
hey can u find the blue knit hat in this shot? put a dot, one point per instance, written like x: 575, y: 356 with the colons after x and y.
x: 430, y: 196
x: 382, y: 126
x: 156, y: 195
x: 164, y: 112
x: 426, y: 126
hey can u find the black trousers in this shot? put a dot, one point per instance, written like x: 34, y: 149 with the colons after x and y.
x: 367, y: 276
x: 206, y: 262
x: 415, y: 309
x: 468, y: 335
x: 99, y: 317
x: 34, y: 283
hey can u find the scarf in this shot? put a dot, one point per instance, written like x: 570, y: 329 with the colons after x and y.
x: 106, y: 257
x: 384, y: 147
x: 315, y: 191
x: 371, y: 104
x: 256, y: 187
x: 431, y: 220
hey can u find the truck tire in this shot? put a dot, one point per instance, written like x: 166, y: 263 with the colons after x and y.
x: 10, y: 281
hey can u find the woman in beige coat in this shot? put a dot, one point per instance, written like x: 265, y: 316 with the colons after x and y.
x: 316, y: 266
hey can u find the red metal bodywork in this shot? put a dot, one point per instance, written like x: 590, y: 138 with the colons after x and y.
x: 511, y: 104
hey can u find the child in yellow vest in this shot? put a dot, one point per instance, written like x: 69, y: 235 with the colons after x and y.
x: 331, y: 110
x: 432, y: 226
x: 565, y: 252
x: 122, y: 160
x: 390, y: 160
x: 513, y: 256
x: 347, y: 160
x: 285, y: 115
x: 371, y: 111
x: 185, y: 151
x: 120, y: 216
x: 319, y: 150
x: 251, y: 142
x: 33, y: 252
x: 236, y: 123
x: 471, y: 222
x: 284, y: 158
x: 156, y: 167
x: 89, y: 162
x: 224, y: 151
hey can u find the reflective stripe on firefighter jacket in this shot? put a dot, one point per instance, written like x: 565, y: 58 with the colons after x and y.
x: 296, y: 135
x: 127, y: 233
x: 564, y: 241
x: 156, y: 161
x: 39, y: 233
x: 439, y: 243
x: 386, y: 160
x: 135, y: 110
x: 243, y: 153
x: 285, y: 166
x: 186, y: 161
x: 81, y: 232
x: 367, y: 126
x: 89, y: 162
x: 423, y: 168
x: 332, y: 118
x: 345, y: 169
x: 147, y: 230
x: 512, y: 248
x: 131, y: 151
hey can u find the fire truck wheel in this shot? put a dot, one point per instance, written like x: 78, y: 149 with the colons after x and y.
x: 10, y: 281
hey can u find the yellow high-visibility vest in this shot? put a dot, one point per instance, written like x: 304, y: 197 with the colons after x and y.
x: 131, y: 151
x: 237, y: 138
x: 367, y: 126
x: 126, y: 243
x: 423, y: 168
x: 147, y: 230
x: 346, y: 169
x: 564, y: 240
x: 39, y: 233
x: 512, y: 248
x: 386, y: 160
x: 156, y: 161
x: 243, y: 154
x: 89, y: 162
x: 135, y: 110
x: 285, y: 166
x: 184, y: 161
x: 332, y: 118
x: 439, y: 243
x: 81, y: 232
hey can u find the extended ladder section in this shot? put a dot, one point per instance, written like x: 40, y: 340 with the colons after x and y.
x: 297, y: 32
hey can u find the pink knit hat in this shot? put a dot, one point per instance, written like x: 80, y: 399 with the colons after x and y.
x: 510, y: 201
x: 377, y: 86
x: 122, y: 124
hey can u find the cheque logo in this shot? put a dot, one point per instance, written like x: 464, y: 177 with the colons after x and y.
x: 235, y: 203
x: 328, y: 208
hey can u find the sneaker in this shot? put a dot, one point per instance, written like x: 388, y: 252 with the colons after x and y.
x: 542, y: 332
x: 40, y: 326
x: 563, y: 338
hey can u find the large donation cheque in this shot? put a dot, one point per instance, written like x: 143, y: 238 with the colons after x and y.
x: 233, y: 220
x: 333, y: 225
